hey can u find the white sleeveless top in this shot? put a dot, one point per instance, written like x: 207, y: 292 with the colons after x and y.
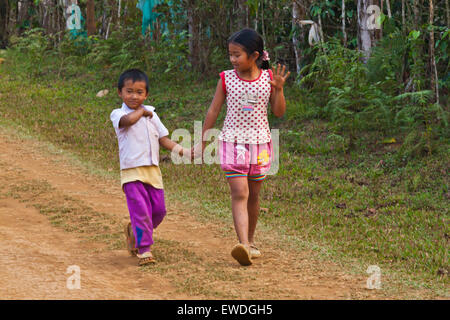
x: 246, y: 119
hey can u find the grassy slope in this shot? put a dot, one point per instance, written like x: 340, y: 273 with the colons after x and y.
x: 346, y: 206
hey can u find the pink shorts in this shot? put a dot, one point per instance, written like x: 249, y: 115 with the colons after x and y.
x: 245, y: 160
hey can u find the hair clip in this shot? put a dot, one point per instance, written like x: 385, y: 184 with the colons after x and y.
x: 265, y: 56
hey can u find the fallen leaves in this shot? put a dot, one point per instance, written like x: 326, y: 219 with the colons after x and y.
x: 341, y: 205
x: 371, y: 212
x: 102, y: 93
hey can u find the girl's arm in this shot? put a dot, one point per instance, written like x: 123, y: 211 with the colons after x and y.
x: 133, y: 117
x: 214, y: 109
x: 277, y: 100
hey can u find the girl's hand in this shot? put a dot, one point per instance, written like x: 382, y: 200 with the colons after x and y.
x: 197, y: 151
x: 279, y: 77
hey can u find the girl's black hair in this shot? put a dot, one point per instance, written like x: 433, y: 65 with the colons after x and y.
x: 133, y: 75
x: 251, y: 41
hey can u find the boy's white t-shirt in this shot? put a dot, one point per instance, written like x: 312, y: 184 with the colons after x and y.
x: 139, y: 143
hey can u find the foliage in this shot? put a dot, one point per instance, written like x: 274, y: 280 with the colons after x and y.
x: 390, y: 95
x: 352, y: 103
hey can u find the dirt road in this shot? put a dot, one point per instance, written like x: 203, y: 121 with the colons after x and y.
x: 54, y: 214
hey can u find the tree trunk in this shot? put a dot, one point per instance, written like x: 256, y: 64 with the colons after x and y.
x: 46, y: 7
x: 322, y: 37
x: 4, y: 15
x: 447, y: 9
x: 22, y: 14
x: 298, y: 13
x: 434, y: 75
x: 416, y: 14
x: 263, y: 22
x: 90, y: 17
x: 118, y: 12
x: 242, y: 14
x: 388, y: 5
x: 344, y: 33
x: 403, y: 17
x: 194, y: 34
x: 256, y: 17
x: 366, y: 28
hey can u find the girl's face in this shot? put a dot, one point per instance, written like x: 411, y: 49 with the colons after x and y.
x: 133, y: 93
x: 239, y: 58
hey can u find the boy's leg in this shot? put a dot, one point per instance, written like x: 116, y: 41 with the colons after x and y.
x: 156, y: 197
x: 140, y: 210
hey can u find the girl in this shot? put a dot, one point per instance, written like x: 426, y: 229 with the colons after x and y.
x: 245, y: 147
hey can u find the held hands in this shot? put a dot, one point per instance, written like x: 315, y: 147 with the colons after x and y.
x: 279, y: 77
x: 197, y: 151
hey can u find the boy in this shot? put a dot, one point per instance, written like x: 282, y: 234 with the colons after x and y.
x: 139, y: 133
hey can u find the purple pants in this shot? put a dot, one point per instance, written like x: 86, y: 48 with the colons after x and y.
x: 147, y: 210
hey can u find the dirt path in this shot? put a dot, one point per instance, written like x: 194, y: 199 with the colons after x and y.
x: 54, y: 215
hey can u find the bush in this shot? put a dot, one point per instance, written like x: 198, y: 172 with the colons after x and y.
x: 352, y: 102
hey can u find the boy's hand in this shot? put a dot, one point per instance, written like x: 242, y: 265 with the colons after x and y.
x: 187, y: 153
x: 147, y: 113
x: 279, y: 77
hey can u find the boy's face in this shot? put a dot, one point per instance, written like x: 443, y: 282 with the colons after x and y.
x: 133, y: 93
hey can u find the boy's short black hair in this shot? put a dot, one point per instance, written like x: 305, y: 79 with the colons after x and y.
x: 133, y: 75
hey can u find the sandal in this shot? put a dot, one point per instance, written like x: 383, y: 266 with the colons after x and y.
x: 130, y: 240
x: 241, y: 254
x: 146, y: 258
x: 254, y: 251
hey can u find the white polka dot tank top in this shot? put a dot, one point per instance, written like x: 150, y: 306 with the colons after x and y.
x: 246, y: 119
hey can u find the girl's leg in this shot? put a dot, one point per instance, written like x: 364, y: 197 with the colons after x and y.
x: 239, y: 197
x: 253, y: 208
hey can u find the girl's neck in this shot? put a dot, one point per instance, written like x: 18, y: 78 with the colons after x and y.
x: 250, y: 74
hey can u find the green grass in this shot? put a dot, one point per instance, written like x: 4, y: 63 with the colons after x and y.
x: 363, y: 205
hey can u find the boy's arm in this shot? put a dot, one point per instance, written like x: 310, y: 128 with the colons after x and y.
x: 133, y: 117
x: 168, y: 144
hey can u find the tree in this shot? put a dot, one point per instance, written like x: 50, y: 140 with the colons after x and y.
x: 344, y: 33
x: 194, y: 34
x: 90, y: 17
x: 447, y: 10
x: 434, y: 74
x: 4, y: 13
x: 242, y: 14
x: 366, y: 27
x: 298, y: 13
x: 23, y: 16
